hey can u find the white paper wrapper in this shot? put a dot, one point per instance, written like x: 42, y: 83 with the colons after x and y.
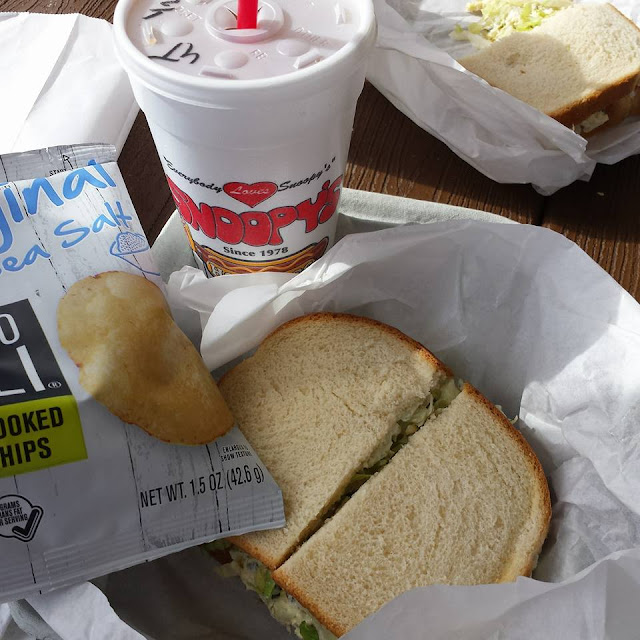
x: 523, y: 314
x: 62, y: 83
x: 527, y: 317
x: 414, y: 66
x: 9, y: 630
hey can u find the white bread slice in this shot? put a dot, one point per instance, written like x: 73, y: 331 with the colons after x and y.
x: 577, y: 62
x: 335, y: 385
x: 464, y: 502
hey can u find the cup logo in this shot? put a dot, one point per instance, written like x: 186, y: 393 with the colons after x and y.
x: 250, y: 194
x: 257, y: 228
x: 259, y: 238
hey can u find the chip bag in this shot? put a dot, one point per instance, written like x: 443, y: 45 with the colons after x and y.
x: 82, y: 492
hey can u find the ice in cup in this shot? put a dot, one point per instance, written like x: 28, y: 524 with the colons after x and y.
x: 252, y: 125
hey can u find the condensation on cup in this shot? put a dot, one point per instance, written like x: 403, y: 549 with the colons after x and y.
x: 252, y: 125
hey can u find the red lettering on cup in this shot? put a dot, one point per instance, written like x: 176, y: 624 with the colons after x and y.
x: 229, y: 226
x: 310, y: 211
x: 257, y: 228
x: 333, y: 197
x: 281, y: 217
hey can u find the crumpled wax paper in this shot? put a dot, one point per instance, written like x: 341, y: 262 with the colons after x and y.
x: 414, y: 66
x: 528, y: 318
x: 61, y: 83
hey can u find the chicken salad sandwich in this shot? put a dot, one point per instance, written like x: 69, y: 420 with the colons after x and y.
x: 393, y: 475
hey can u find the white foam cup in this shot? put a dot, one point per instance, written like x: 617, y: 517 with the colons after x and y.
x: 255, y: 164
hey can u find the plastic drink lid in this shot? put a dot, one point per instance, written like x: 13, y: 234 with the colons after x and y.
x: 200, y: 38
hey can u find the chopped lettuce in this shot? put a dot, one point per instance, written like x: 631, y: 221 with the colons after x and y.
x: 308, y: 631
x: 281, y: 605
x: 265, y: 585
x: 357, y: 481
x: 502, y: 17
x: 218, y: 545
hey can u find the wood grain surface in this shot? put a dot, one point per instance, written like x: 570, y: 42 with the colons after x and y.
x: 390, y: 154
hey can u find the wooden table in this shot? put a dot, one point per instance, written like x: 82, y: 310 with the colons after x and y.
x: 389, y: 154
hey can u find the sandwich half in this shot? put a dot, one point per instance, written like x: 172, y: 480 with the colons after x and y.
x: 580, y: 66
x: 464, y: 502
x: 323, y: 401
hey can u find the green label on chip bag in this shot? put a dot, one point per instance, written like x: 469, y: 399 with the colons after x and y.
x: 39, y: 421
x: 39, y: 434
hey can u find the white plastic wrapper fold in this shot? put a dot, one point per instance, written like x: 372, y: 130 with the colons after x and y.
x: 62, y: 81
x: 81, y: 492
x: 528, y: 318
x: 414, y: 66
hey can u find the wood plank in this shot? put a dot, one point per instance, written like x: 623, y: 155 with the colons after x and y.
x: 390, y: 154
x: 142, y: 172
x: 94, y: 8
x: 601, y: 216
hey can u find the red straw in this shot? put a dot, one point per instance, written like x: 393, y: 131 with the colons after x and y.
x: 247, y: 14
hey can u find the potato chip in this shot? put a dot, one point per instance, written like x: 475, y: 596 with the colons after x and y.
x: 134, y: 359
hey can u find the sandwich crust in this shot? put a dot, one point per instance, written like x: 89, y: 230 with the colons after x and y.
x: 524, y: 565
x: 256, y: 548
x: 332, y: 317
x: 578, y: 62
x: 586, y: 106
x: 329, y: 316
x: 600, y: 100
